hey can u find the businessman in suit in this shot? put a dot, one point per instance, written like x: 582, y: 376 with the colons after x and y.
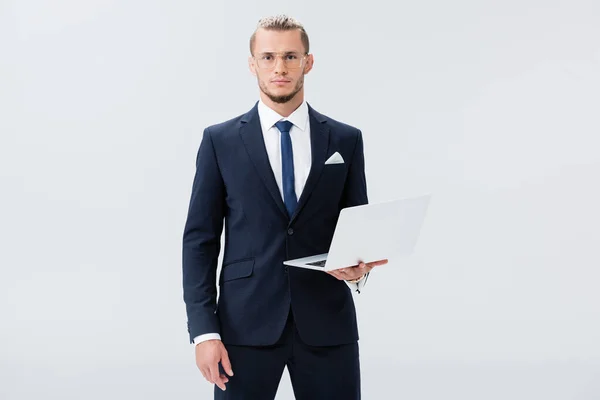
x: 265, y: 177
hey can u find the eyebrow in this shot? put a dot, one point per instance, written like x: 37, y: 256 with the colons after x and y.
x: 285, y: 52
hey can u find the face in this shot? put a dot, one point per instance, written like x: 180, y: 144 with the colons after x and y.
x: 279, y: 83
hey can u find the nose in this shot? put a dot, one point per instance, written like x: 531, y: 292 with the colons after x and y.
x: 280, y: 66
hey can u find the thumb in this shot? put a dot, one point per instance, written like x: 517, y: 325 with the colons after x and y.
x: 226, y: 363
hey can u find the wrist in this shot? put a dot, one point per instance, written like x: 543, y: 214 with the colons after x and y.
x: 357, y: 280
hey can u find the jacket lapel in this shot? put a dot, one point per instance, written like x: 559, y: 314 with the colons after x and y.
x: 252, y: 137
x: 319, y: 145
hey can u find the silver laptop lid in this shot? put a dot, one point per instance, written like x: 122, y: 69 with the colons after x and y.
x: 377, y: 231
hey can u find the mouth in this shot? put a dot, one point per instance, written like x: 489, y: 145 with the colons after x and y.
x: 280, y: 81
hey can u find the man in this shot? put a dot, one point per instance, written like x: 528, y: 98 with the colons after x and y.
x: 264, y: 174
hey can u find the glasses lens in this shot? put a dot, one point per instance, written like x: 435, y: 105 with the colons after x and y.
x: 268, y: 60
x: 292, y: 60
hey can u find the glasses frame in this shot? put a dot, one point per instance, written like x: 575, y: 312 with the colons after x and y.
x: 281, y: 55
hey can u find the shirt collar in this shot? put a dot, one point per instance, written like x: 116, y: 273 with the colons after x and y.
x: 268, y: 116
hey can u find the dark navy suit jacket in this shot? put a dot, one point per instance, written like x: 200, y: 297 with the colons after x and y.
x: 234, y: 186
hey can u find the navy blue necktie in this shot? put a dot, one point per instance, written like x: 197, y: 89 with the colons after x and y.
x: 287, y: 167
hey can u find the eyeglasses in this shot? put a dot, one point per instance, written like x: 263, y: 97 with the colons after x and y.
x: 291, y: 60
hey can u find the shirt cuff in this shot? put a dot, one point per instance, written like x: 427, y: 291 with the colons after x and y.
x: 207, y: 336
x: 358, y: 280
x: 357, y: 286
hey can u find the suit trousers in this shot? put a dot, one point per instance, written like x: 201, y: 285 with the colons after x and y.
x: 316, y: 373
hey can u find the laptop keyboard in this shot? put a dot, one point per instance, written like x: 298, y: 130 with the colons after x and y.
x: 317, y: 263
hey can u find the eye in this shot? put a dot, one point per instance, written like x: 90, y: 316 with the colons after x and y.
x: 266, y: 57
x: 292, y: 56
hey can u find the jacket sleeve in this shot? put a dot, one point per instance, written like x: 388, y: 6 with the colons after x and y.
x: 355, y: 189
x: 202, y: 242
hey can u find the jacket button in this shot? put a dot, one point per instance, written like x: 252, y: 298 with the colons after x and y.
x: 290, y: 231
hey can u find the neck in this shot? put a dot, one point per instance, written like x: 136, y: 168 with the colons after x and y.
x: 284, y: 109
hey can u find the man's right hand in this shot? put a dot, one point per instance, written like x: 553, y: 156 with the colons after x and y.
x: 208, y: 355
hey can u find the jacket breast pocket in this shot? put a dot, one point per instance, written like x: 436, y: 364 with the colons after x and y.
x: 237, y: 270
x: 333, y: 178
x: 334, y: 167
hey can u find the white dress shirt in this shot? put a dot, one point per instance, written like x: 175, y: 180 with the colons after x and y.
x: 300, y: 135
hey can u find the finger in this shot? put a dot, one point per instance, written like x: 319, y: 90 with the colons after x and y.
x: 377, y: 263
x: 226, y: 363
x: 346, y: 272
x: 354, y: 275
x: 206, y: 374
x: 356, y: 270
x: 221, y: 385
x: 337, y: 275
x: 215, y: 376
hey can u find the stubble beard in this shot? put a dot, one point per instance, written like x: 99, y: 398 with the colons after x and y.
x: 284, y: 98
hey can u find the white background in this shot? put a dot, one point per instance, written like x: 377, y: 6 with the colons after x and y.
x: 493, y: 106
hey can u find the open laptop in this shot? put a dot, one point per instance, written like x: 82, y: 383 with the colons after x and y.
x: 371, y: 232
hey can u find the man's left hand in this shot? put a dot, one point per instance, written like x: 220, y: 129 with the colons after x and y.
x: 355, y: 271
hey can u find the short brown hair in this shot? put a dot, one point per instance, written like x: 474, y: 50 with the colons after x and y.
x: 280, y: 22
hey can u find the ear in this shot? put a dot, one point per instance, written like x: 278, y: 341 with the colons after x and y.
x: 310, y: 60
x: 252, y: 65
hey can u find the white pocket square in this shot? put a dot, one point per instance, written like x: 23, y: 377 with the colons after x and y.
x: 336, y: 158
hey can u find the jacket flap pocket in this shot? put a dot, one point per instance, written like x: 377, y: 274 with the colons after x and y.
x: 237, y: 270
